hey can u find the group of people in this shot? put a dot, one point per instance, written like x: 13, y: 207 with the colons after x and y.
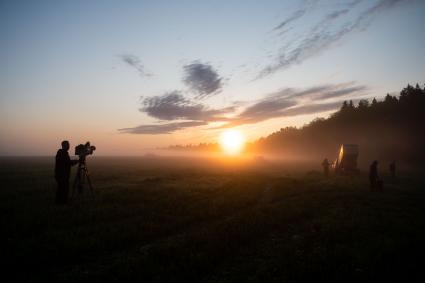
x: 376, y: 183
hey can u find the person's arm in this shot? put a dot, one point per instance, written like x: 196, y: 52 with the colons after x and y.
x: 70, y: 161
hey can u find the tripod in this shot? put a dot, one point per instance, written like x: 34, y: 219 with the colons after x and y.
x: 80, y: 178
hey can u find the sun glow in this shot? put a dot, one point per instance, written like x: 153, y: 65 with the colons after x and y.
x: 232, y: 142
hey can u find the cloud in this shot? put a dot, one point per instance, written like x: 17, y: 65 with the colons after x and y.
x: 322, y: 35
x: 293, y: 17
x: 311, y: 108
x: 135, y: 63
x: 306, y: 6
x: 174, y: 106
x: 292, y: 102
x: 265, y: 109
x: 286, y: 102
x: 336, y: 14
x: 156, y: 129
x: 329, y: 91
x: 202, y: 79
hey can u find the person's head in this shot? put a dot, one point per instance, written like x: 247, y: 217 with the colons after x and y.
x: 65, y: 145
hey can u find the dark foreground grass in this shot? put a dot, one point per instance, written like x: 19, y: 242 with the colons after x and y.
x: 154, y: 221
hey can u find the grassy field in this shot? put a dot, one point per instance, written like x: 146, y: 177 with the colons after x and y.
x: 177, y: 220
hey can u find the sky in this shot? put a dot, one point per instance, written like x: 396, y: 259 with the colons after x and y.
x: 132, y: 76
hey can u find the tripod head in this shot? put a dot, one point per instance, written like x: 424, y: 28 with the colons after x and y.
x: 82, y: 150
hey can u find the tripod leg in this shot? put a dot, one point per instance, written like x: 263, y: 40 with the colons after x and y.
x: 80, y: 185
x: 76, y: 183
x: 89, y: 182
x: 81, y: 173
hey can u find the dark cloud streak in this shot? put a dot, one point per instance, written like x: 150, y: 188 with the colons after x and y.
x: 329, y: 91
x: 295, y: 16
x: 157, y: 129
x: 202, y: 79
x: 135, y: 63
x: 174, y: 106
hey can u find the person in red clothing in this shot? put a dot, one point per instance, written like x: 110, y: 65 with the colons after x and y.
x: 62, y: 173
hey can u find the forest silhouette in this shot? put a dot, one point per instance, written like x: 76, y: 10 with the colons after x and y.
x: 391, y: 129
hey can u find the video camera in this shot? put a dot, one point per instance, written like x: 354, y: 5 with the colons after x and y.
x: 82, y: 150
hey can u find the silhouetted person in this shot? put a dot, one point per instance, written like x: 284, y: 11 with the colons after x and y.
x: 62, y: 172
x: 325, y: 165
x: 373, y: 175
x: 392, y: 170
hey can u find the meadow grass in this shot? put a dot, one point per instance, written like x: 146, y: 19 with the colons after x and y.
x: 175, y: 219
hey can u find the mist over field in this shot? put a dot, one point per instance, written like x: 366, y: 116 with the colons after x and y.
x: 386, y: 130
x: 212, y: 141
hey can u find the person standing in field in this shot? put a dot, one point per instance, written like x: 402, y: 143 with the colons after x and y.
x: 325, y: 165
x: 373, y: 175
x: 62, y: 172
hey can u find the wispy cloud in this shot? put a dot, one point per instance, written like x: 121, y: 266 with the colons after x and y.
x: 331, y: 29
x: 156, y: 129
x: 292, y: 102
x: 311, y: 108
x: 328, y: 91
x: 293, y: 17
x: 174, y: 106
x: 298, y: 14
x: 286, y: 102
x: 202, y: 79
x: 265, y: 109
x: 135, y: 63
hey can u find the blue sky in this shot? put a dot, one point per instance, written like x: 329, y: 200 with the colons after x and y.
x: 131, y: 75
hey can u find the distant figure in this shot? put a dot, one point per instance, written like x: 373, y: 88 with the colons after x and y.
x: 325, y: 165
x: 392, y: 170
x: 373, y: 175
x: 62, y: 171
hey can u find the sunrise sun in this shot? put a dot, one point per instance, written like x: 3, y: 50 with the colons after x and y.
x: 232, y: 141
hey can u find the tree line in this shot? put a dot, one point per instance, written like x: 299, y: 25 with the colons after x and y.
x: 391, y: 129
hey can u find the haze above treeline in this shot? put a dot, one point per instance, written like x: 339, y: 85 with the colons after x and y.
x: 391, y: 129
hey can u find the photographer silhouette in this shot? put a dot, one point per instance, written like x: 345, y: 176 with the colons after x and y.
x: 62, y: 172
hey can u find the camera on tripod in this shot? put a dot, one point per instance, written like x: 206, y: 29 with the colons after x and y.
x: 82, y: 150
